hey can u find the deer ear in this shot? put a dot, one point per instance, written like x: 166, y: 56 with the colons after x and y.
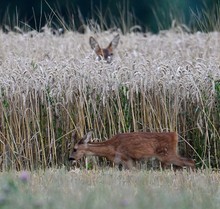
x: 74, y: 137
x: 94, y: 44
x: 86, y: 138
x: 114, y: 42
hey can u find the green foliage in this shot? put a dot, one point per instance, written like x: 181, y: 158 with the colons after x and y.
x: 152, y: 15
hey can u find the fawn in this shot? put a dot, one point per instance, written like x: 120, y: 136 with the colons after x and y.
x: 123, y: 149
x: 104, y: 53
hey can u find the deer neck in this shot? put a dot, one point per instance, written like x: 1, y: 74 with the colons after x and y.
x: 97, y: 149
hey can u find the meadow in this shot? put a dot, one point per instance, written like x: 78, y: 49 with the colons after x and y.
x: 109, y: 188
x: 52, y: 85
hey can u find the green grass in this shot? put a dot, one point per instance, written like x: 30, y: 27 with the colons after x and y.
x: 109, y: 189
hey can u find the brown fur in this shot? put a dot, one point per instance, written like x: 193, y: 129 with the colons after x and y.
x: 127, y: 147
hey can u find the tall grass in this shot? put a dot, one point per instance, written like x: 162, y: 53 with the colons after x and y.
x: 52, y: 85
x: 207, y: 19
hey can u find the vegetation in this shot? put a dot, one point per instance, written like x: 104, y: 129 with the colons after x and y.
x: 109, y: 189
x: 52, y: 85
x: 75, y: 14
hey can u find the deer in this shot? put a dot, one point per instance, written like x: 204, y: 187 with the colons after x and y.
x: 125, y: 148
x: 104, y: 53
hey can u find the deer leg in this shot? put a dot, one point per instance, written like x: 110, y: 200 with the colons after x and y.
x: 179, y: 161
x: 128, y: 164
x: 164, y: 165
x: 123, y: 160
x: 186, y: 162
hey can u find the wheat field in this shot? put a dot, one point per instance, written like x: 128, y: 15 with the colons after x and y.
x: 52, y: 85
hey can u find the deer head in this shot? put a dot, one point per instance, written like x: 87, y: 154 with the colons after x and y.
x: 104, y: 53
x: 79, y: 150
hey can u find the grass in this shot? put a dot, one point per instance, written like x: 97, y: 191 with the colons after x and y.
x: 109, y: 189
x: 52, y: 85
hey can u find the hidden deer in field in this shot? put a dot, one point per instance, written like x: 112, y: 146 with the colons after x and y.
x: 104, y: 53
x: 123, y: 149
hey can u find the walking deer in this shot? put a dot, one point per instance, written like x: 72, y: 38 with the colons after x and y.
x: 104, y: 53
x: 124, y: 148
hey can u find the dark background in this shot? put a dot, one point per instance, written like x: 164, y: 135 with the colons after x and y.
x: 151, y: 15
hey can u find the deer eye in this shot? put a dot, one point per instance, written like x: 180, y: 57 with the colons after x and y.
x: 74, y: 150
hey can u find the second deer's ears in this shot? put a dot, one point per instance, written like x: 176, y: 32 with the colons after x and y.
x: 114, y: 42
x: 95, y: 45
